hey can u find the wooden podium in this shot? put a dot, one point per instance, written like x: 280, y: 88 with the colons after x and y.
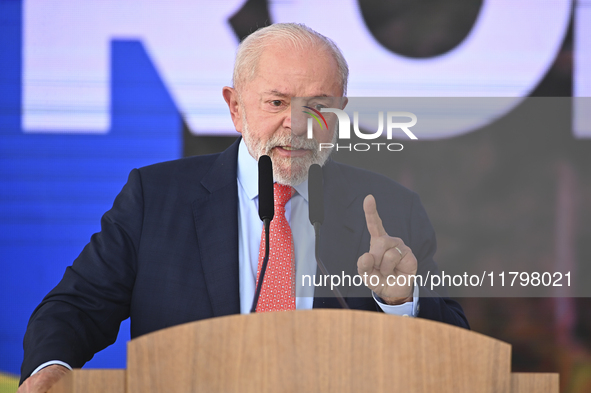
x: 312, y: 351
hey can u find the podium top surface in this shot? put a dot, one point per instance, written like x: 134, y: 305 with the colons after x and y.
x: 317, y: 350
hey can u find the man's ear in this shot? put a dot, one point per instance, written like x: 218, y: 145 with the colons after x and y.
x: 231, y: 97
x: 345, y: 102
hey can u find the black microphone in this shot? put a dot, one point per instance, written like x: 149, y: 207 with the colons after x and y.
x: 316, y: 214
x: 315, y: 194
x: 266, y: 194
x: 266, y: 213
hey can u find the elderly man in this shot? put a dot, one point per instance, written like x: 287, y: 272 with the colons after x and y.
x: 182, y: 241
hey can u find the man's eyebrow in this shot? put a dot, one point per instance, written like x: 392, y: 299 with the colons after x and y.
x: 277, y: 93
x: 284, y: 95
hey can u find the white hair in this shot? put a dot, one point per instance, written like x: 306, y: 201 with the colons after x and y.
x: 299, y: 35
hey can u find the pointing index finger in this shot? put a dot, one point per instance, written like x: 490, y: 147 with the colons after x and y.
x: 374, y: 222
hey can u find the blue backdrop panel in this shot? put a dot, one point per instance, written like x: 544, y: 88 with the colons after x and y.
x: 55, y: 187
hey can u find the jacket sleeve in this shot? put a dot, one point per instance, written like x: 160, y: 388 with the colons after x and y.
x: 434, y: 305
x: 82, y: 314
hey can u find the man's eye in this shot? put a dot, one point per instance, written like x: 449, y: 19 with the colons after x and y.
x: 276, y: 102
x: 319, y: 106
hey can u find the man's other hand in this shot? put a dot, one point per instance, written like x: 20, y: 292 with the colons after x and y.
x: 388, y: 259
x: 43, y: 380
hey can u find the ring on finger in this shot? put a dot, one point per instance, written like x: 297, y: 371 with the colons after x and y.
x: 397, y: 249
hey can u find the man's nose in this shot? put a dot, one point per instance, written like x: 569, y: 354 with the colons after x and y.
x: 298, y: 122
x: 287, y: 119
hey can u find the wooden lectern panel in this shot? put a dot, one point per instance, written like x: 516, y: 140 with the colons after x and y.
x: 91, y: 381
x: 534, y: 383
x: 317, y: 351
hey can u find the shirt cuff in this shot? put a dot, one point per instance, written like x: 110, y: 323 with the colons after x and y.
x: 51, y: 363
x: 408, y: 309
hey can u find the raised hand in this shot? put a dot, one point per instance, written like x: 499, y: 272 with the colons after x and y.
x: 389, y: 261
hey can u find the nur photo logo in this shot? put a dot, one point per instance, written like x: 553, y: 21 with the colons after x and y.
x: 393, y: 124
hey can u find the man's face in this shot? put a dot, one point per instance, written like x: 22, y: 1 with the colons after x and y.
x: 262, y: 110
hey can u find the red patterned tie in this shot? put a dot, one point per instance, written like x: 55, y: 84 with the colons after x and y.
x: 278, y: 291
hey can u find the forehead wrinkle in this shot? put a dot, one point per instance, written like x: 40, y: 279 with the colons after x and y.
x: 278, y: 93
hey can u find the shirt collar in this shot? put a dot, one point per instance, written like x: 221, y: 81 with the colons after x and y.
x: 248, y: 174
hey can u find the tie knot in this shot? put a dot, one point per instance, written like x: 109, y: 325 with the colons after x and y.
x: 282, y: 194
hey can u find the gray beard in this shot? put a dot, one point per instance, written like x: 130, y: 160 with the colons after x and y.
x: 287, y: 171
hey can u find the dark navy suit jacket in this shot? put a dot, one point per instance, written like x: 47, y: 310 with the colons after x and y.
x: 167, y: 254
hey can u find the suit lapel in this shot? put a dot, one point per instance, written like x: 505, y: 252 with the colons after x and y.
x: 216, y: 222
x: 343, y: 227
